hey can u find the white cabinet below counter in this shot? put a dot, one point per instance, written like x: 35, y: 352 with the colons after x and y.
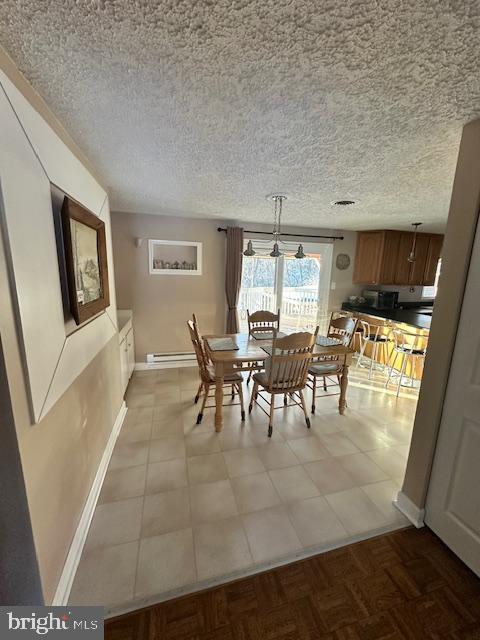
x: 127, y: 345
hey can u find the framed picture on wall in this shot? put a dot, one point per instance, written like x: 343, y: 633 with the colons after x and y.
x: 86, y: 260
x: 175, y: 257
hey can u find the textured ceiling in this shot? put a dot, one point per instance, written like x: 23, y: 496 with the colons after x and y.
x: 204, y: 107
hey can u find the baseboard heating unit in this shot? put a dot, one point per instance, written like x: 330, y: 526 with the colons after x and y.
x: 167, y: 360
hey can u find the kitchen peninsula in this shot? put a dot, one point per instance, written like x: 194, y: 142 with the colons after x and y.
x: 419, y: 317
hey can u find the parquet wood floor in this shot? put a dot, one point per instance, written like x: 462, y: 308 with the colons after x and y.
x: 399, y: 586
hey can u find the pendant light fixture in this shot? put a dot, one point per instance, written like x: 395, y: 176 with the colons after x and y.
x: 277, y: 229
x: 276, y: 253
x: 249, y: 252
x: 300, y: 254
x: 276, y: 232
x: 413, y: 253
x: 277, y: 222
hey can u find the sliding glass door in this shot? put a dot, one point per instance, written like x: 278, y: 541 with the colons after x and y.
x: 299, y: 288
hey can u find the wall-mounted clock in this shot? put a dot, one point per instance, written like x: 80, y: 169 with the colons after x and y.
x: 343, y: 261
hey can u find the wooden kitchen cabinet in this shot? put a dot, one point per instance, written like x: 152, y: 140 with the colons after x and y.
x: 368, y: 256
x: 402, y: 266
x: 388, y: 267
x: 376, y: 257
x: 382, y: 258
x: 433, y: 256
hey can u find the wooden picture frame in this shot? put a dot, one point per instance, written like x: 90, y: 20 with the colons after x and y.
x: 85, y: 260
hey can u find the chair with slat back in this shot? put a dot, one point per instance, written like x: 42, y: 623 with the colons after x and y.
x: 263, y: 322
x: 342, y: 328
x: 262, y: 325
x: 207, y: 375
x: 285, y: 374
x: 205, y: 355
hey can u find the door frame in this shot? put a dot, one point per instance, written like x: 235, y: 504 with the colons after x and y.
x: 459, y: 238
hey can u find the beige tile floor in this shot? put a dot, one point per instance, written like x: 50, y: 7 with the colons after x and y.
x: 182, y: 507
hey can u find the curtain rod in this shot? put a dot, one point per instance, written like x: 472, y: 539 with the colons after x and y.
x: 291, y: 235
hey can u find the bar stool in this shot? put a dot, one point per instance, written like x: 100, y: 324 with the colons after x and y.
x: 378, y: 336
x: 408, y: 346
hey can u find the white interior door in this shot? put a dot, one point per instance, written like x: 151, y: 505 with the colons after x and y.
x: 453, y: 501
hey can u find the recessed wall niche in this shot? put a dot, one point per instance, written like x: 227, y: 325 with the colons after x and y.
x: 175, y: 257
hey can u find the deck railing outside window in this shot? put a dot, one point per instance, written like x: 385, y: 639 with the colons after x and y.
x: 299, y: 288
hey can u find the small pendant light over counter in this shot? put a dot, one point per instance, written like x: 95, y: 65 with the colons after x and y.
x: 413, y: 253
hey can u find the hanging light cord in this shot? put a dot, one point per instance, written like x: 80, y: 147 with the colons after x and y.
x: 413, y: 253
x: 277, y: 217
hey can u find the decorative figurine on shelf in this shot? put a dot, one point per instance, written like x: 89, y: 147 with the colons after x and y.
x: 176, y: 265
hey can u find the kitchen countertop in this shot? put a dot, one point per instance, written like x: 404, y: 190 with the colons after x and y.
x: 410, y: 316
x: 123, y: 317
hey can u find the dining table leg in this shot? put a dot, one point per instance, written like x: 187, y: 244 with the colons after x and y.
x: 342, y: 403
x: 219, y: 374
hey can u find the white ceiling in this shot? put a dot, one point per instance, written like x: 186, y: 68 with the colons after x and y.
x: 191, y: 107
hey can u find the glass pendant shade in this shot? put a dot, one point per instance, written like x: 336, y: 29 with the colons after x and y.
x: 300, y: 254
x: 276, y: 251
x: 249, y: 250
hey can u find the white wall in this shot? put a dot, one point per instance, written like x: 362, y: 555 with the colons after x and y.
x: 65, y: 390
x: 33, y: 156
x: 405, y: 294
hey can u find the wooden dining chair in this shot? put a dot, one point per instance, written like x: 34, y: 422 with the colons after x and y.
x: 262, y: 325
x: 197, y: 329
x: 330, y: 368
x: 205, y: 353
x: 263, y: 322
x: 285, y: 374
x: 343, y: 328
x: 207, y: 376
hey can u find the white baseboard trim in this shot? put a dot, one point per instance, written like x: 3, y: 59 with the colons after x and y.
x: 410, y: 510
x: 176, y: 364
x: 74, y: 554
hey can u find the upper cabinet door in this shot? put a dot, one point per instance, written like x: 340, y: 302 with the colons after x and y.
x: 417, y: 273
x: 389, y: 258
x: 368, y: 257
x: 433, y: 256
x: 404, y: 267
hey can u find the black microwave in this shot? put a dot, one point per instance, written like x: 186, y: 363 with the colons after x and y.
x: 381, y: 299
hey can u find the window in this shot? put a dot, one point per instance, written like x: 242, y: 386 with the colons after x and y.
x: 431, y: 292
x: 299, y: 288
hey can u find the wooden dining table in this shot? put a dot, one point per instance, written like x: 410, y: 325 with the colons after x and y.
x: 250, y: 352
